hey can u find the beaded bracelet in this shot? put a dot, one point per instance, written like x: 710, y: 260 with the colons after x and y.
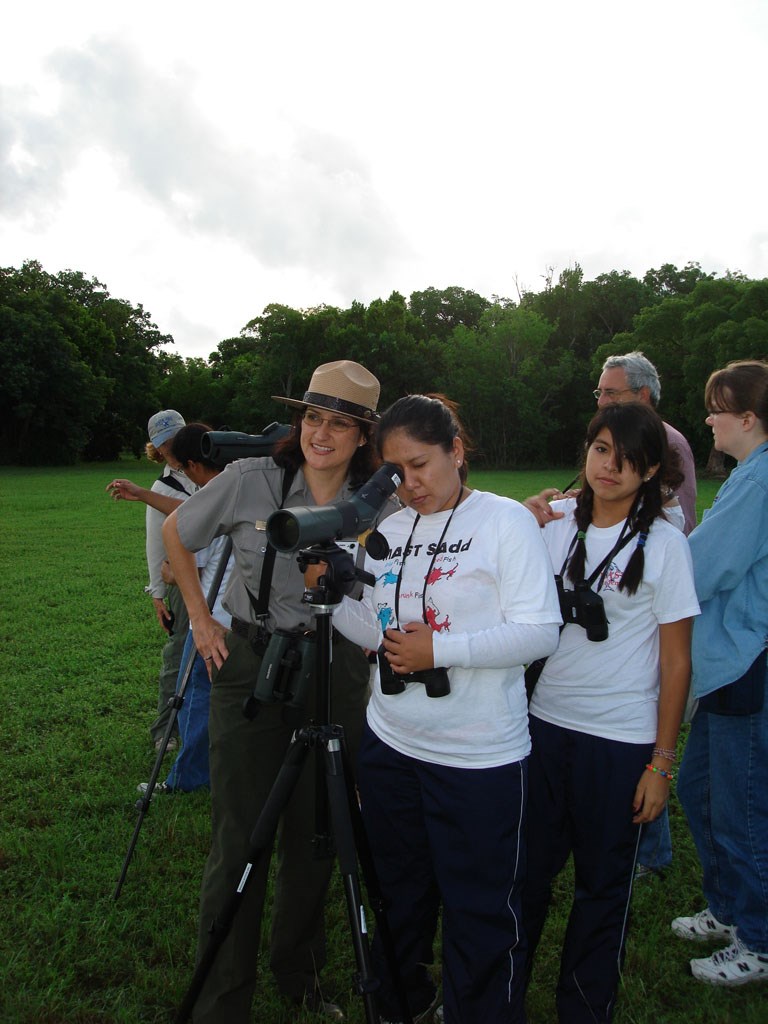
x: 660, y: 771
x: 670, y: 755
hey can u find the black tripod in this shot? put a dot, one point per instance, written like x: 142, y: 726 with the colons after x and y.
x: 175, y: 703
x: 348, y: 832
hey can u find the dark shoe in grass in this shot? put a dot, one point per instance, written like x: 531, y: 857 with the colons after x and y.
x: 433, y: 1013
x: 643, y: 871
x: 314, y: 1002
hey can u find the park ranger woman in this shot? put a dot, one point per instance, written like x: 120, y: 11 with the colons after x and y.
x: 326, y: 457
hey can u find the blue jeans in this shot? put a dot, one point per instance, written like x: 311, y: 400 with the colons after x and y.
x: 172, y: 657
x: 655, y: 849
x: 723, y: 787
x: 190, y: 769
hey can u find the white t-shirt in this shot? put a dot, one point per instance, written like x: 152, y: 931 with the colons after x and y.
x: 611, y: 688
x: 154, y: 526
x: 208, y: 563
x: 491, y: 602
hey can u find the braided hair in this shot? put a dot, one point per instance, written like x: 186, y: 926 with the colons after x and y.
x: 639, y: 437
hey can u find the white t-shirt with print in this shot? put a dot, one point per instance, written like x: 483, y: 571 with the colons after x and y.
x: 490, y: 599
x: 610, y: 688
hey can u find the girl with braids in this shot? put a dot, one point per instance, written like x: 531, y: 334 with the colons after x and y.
x: 463, y: 593
x: 605, y: 713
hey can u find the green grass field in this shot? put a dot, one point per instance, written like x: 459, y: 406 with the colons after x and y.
x: 80, y: 653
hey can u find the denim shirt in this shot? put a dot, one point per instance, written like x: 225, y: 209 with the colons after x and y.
x: 730, y: 564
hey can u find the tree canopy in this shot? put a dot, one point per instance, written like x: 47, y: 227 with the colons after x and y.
x: 81, y: 371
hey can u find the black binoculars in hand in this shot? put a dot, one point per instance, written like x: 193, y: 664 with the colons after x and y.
x: 435, y: 680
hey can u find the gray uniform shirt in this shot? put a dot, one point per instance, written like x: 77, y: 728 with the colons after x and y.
x: 239, y: 502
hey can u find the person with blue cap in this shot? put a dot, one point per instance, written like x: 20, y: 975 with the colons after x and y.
x: 168, y: 602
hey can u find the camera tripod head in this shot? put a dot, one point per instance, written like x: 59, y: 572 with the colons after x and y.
x: 338, y: 579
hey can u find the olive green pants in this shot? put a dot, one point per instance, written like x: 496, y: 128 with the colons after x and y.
x: 169, y: 673
x: 245, y: 757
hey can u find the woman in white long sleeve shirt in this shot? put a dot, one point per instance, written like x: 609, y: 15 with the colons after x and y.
x: 464, y: 597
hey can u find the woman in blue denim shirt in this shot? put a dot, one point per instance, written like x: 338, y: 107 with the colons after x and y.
x: 723, y: 783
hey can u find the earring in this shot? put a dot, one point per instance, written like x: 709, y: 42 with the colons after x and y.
x: 458, y: 462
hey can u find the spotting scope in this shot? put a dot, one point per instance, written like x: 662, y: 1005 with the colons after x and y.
x: 291, y: 528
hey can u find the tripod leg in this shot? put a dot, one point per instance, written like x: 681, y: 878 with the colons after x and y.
x: 343, y: 808
x: 142, y: 805
x: 323, y: 842
x: 261, y: 840
x: 373, y: 890
x: 175, y: 703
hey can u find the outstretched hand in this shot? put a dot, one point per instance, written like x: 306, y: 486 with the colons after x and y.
x: 538, y: 505
x: 124, y: 489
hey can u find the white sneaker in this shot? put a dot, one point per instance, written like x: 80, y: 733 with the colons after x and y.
x: 735, y: 965
x: 701, y: 927
x: 160, y: 787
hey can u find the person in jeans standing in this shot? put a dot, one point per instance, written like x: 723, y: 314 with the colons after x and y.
x: 723, y: 784
x: 172, y: 484
x: 190, y: 769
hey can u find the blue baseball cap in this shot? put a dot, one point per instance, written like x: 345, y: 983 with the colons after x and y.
x: 164, y: 425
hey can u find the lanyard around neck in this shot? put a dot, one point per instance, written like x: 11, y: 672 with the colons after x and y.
x: 625, y: 537
x: 406, y: 549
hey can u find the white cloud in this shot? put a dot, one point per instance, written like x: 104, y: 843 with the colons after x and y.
x: 205, y: 162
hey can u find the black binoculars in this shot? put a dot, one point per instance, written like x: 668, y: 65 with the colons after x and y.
x: 287, y: 670
x: 435, y: 680
x: 583, y: 607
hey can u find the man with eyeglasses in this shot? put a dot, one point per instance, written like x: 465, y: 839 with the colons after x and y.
x: 633, y: 378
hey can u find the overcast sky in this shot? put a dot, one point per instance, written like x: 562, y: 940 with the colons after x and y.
x: 204, y: 160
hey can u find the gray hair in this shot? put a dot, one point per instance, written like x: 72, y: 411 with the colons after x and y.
x: 641, y: 373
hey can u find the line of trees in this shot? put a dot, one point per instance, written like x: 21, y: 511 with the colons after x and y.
x: 81, y: 372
